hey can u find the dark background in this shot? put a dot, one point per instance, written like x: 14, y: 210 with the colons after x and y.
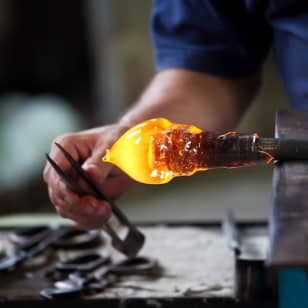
x: 70, y: 65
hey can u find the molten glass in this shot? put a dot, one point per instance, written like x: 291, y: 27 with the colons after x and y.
x: 157, y: 150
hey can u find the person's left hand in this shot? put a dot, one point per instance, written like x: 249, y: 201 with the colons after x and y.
x: 88, y: 148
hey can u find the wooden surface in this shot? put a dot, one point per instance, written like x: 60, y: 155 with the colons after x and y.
x: 289, y: 220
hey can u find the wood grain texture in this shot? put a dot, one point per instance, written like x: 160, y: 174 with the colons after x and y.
x: 289, y: 219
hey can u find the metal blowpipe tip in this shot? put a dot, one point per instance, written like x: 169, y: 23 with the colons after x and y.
x: 271, y: 148
x: 284, y: 149
x: 235, y: 150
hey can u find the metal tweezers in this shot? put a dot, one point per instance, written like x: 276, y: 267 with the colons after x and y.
x: 134, y: 239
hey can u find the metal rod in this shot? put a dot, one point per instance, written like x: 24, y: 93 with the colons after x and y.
x: 231, y: 232
x: 284, y: 149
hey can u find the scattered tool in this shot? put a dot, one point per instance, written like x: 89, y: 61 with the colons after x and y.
x: 83, y: 263
x: 231, y: 233
x: 70, y: 239
x: 134, y: 239
x: 31, y: 242
x: 97, y: 279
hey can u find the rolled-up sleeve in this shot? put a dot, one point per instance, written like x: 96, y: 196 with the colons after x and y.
x: 290, y: 37
x: 223, y: 38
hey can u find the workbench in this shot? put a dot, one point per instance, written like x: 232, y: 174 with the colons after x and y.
x: 200, y: 270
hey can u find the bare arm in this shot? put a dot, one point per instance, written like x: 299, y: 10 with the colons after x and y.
x: 208, y: 102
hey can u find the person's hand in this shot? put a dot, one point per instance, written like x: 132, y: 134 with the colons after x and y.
x: 87, y: 147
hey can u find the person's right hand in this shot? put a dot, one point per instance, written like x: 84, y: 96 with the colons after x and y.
x: 88, y: 147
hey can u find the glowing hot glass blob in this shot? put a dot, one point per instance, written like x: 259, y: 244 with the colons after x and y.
x: 157, y: 150
x: 143, y: 152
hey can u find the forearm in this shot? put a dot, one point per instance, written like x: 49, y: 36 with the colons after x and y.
x: 209, y: 102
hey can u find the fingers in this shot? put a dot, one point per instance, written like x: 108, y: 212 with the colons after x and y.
x: 79, y: 148
x: 68, y: 142
x: 86, y: 211
x: 117, y: 185
x: 94, y: 165
x: 88, y: 148
x: 96, y: 169
x: 112, y: 181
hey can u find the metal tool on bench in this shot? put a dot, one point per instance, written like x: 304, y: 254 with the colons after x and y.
x: 81, y: 263
x: 71, y: 238
x: 241, y: 147
x: 253, y: 280
x: 84, y: 262
x: 134, y: 239
x: 231, y: 232
x: 31, y: 242
x: 97, y: 278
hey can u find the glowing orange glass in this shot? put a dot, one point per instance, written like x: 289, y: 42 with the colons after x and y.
x: 157, y: 150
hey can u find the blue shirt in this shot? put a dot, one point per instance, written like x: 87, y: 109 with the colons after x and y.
x: 231, y: 38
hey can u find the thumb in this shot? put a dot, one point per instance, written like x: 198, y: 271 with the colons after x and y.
x: 96, y: 168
